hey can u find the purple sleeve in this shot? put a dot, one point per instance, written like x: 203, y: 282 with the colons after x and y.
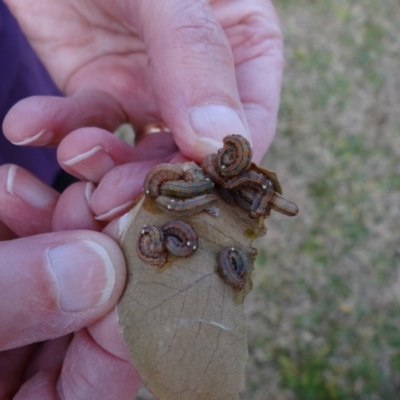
x: 22, y: 75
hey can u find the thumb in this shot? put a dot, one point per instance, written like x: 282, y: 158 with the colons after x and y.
x: 192, y: 72
x: 58, y: 283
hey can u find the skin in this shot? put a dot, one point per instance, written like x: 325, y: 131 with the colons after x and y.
x: 46, y: 352
x: 138, y: 61
x: 144, y: 61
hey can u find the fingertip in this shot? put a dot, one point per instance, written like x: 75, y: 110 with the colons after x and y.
x: 89, y: 153
x: 125, y: 184
x: 46, y: 120
x: 115, y: 376
x: 210, y: 124
x: 28, y: 188
x: 115, y: 211
x: 85, y: 274
x: 73, y: 210
x: 26, y: 203
x: 30, y: 121
x: 59, y: 283
x: 91, y: 165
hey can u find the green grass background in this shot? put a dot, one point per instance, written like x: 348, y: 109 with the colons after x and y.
x: 324, y: 315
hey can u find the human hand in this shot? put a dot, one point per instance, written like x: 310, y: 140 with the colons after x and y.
x: 53, y: 284
x: 207, y: 69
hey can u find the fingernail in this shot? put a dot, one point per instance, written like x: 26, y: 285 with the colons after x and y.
x: 89, y: 189
x: 28, y: 188
x: 115, y: 212
x: 212, y: 122
x: 40, y: 139
x: 84, y: 164
x: 84, y: 274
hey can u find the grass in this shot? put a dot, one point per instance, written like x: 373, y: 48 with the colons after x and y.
x: 324, y: 313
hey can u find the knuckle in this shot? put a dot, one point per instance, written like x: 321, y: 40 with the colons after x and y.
x: 196, y: 29
x: 257, y: 35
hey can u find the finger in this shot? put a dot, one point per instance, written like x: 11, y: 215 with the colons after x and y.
x: 257, y: 47
x: 41, y: 386
x: 99, y: 345
x: 73, y: 210
x: 58, y: 283
x: 40, y: 120
x: 192, y: 73
x: 89, y: 153
x: 118, y: 190
x: 157, y: 146
x: 6, y: 233
x: 12, y: 368
x: 49, y: 354
x: 262, y: 110
x: 26, y: 203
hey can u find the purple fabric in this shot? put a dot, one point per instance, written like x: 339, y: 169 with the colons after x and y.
x: 22, y: 75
